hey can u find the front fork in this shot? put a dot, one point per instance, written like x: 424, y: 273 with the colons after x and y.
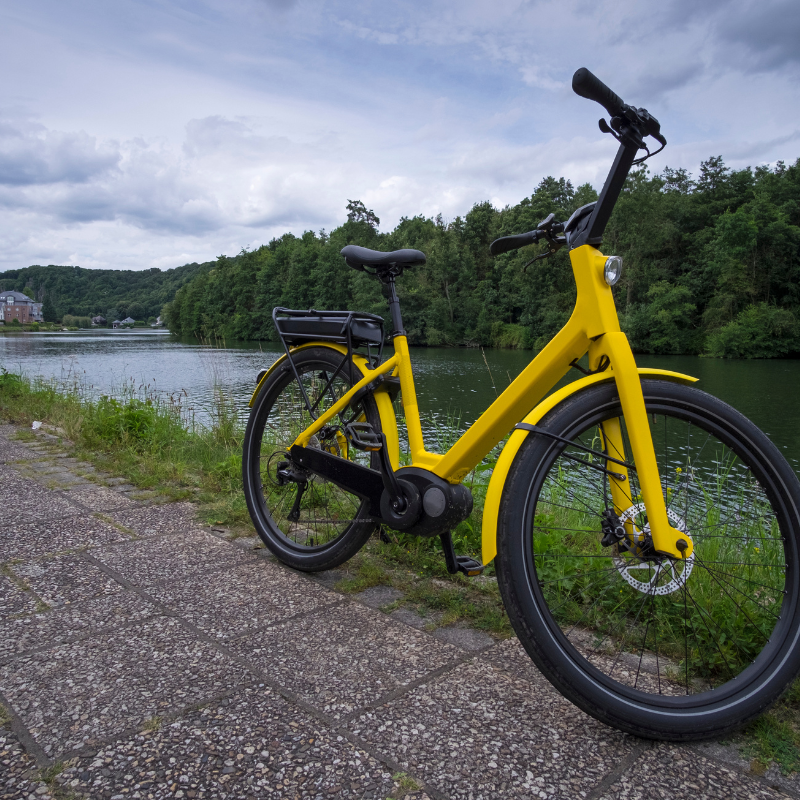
x: 667, y: 540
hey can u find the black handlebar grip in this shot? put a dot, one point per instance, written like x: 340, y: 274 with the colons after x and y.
x: 591, y: 87
x: 507, y: 243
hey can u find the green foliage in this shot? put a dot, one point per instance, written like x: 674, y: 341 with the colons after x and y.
x: 48, y: 309
x: 711, y: 265
x: 133, y: 423
x: 113, y: 293
x: 70, y: 321
x: 760, y: 331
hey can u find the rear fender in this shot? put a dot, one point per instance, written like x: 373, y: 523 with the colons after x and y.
x: 491, y: 507
x: 382, y: 399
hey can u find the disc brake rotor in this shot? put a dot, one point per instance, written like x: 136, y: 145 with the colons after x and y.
x: 650, y: 576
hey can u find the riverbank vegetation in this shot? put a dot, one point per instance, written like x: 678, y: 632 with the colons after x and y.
x: 712, y: 266
x: 111, y: 293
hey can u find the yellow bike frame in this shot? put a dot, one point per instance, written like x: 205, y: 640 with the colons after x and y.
x: 593, y: 328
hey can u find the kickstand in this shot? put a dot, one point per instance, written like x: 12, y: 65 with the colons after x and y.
x: 469, y: 566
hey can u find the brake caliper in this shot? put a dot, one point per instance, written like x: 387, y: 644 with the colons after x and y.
x: 612, y: 528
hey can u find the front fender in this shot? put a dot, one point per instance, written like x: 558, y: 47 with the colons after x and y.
x: 491, y: 507
x: 382, y: 399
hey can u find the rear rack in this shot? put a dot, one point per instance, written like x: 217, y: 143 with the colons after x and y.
x: 354, y: 329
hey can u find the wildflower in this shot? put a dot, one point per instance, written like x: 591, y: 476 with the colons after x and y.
x: 757, y: 549
x: 678, y: 470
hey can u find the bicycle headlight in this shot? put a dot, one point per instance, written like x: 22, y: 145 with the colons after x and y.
x: 613, y: 269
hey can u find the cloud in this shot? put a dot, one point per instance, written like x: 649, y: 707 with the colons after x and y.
x: 762, y: 36
x: 158, y: 131
x: 30, y: 154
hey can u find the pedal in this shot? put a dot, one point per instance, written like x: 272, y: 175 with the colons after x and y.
x: 469, y: 566
x: 363, y: 436
x: 464, y: 564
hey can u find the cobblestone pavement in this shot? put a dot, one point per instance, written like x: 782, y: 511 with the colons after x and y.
x: 144, y: 655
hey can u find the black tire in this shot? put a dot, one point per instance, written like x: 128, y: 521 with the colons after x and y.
x: 333, y: 524
x: 718, y: 643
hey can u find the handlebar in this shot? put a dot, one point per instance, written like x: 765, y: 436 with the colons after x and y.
x: 591, y: 87
x: 507, y: 243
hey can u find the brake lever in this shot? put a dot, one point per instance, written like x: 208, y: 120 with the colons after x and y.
x: 554, y: 245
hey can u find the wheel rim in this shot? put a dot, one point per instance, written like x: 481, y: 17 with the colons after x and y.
x: 675, y: 633
x: 326, y: 512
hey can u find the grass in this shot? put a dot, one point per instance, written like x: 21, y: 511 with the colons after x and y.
x: 152, y: 444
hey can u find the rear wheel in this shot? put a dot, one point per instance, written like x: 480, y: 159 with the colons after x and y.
x: 310, y: 524
x: 657, y: 647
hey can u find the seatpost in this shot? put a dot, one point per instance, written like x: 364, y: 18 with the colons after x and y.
x: 394, y: 307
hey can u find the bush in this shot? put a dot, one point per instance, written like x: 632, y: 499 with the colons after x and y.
x: 71, y: 322
x: 15, y: 323
x: 760, y: 331
x: 34, y: 326
x: 11, y: 384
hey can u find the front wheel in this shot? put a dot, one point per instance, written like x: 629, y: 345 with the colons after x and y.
x: 660, y: 648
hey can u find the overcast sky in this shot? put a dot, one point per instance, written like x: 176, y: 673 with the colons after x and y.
x: 141, y: 133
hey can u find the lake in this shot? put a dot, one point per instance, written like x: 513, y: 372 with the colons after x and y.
x: 451, y: 382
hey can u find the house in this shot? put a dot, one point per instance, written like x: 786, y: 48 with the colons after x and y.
x: 128, y: 321
x: 116, y: 323
x: 15, y: 305
x: 99, y: 321
x: 122, y: 323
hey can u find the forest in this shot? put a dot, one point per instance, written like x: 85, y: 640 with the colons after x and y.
x: 711, y: 266
x: 111, y: 293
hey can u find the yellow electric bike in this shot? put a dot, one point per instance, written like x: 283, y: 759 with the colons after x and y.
x: 645, y: 534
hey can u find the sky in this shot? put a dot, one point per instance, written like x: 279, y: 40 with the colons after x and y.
x: 153, y: 133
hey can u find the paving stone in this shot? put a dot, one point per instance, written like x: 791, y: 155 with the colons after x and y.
x: 37, y: 467
x: 378, y: 596
x: 77, y: 694
x: 65, y: 579
x: 254, y: 745
x: 409, y: 616
x: 13, y: 451
x: 52, y: 628
x: 25, y: 500
x: 248, y: 543
x: 477, y: 733
x: 62, y: 479
x: 253, y: 595
x: 330, y: 577
x: 674, y: 773
x: 14, y: 600
x: 342, y: 658
x: 19, y: 773
x: 155, y: 520
x: 149, y: 561
x: 510, y: 657
x: 41, y: 537
x: 465, y: 638
x: 99, y: 498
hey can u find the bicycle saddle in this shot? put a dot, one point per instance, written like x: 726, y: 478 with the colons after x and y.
x: 360, y: 257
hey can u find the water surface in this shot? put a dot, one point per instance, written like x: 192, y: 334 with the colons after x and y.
x: 451, y: 383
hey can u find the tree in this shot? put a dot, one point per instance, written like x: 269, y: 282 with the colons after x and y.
x: 358, y: 212
x: 48, y: 309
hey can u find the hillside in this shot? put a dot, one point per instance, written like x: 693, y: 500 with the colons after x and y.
x: 712, y: 265
x: 111, y: 292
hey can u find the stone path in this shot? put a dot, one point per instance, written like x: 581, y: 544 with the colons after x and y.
x: 144, y: 655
